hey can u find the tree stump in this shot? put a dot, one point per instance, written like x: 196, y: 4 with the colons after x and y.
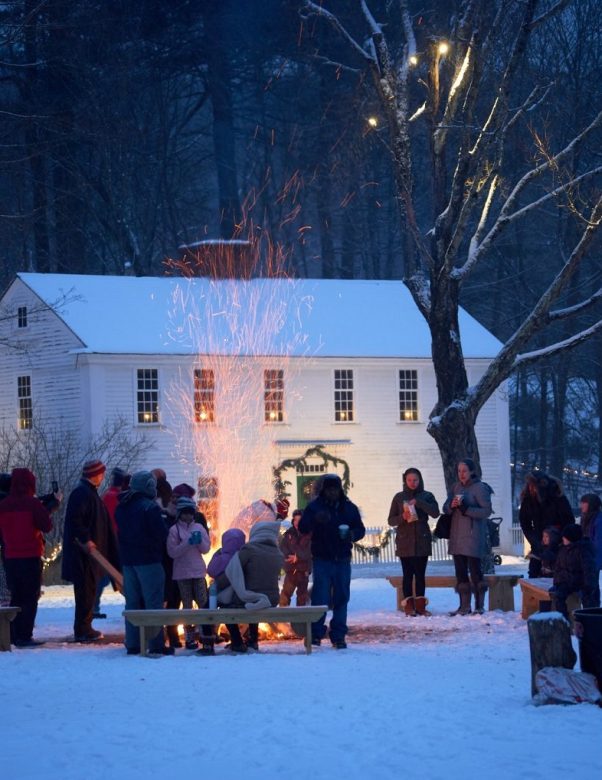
x: 550, y: 643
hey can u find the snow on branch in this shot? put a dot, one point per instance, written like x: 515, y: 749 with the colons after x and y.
x: 560, y: 346
x: 318, y: 10
x: 570, y: 311
x: 555, y: 9
x: 507, y: 216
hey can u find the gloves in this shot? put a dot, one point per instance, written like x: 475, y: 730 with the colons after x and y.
x: 195, y: 538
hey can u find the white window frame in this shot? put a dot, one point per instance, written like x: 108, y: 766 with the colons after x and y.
x: 25, y: 403
x: 204, y: 396
x: 344, y: 405
x: 273, y: 396
x: 140, y: 398
x: 408, y: 395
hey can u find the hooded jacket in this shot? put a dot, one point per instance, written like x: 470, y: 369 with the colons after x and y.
x: 413, y: 538
x: 23, y: 518
x: 575, y: 569
x: 188, y: 560
x: 322, y: 519
x: 468, y: 534
x: 548, y: 507
x: 232, y: 540
x: 142, y: 531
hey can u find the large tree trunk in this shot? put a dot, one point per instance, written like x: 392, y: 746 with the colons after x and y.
x: 218, y: 81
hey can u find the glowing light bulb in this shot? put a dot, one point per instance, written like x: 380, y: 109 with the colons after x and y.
x: 413, y: 60
x: 443, y: 48
x: 373, y: 121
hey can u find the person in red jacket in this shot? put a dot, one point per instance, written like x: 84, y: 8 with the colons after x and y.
x: 23, y: 521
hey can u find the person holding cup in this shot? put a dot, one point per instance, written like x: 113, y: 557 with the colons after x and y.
x: 409, y: 514
x: 334, y: 523
x: 469, y: 504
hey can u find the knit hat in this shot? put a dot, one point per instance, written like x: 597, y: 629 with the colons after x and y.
x: 282, y: 505
x: 144, y: 482
x: 265, y: 531
x: 92, y: 468
x: 185, y: 504
x: 572, y: 532
x: 117, y: 477
x: 183, y: 490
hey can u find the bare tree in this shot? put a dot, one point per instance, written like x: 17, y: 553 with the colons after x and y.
x: 57, y: 452
x: 472, y: 99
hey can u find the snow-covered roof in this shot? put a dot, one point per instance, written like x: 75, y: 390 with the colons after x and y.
x: 321, y: 317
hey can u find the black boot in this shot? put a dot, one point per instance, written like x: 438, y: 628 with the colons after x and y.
x: 480, y: 589
x: 463, y: 590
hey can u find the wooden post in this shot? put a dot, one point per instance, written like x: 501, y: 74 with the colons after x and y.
x: 550, y: 643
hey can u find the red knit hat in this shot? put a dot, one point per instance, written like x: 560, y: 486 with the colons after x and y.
x: 184, y: 490
x: 92, y: 468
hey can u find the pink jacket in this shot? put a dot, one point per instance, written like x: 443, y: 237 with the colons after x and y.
x: 188, y: 561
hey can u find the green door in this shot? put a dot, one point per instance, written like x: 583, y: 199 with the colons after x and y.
x: 304, y: 490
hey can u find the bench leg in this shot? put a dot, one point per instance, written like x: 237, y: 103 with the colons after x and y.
x: 143, y: 642
x: 501, y: 596
x: 308, y: 637
x: 4, y: 634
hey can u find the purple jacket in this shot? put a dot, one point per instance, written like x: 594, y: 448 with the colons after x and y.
x: 232, y: 541
x: 188, y: 563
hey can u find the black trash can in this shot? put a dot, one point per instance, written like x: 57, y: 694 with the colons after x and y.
x: 588, y: 628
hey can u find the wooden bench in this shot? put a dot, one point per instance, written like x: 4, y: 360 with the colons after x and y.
x: 150, y: 620
x: 501, y: 588
x: 7, y: 614
x: 536, y: 590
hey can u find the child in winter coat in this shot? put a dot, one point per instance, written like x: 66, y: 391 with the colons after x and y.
x: 296, y: 548
x: 575, y: 569
x: 186, y: 542
x: 548, y: 551
x: 232, y: 540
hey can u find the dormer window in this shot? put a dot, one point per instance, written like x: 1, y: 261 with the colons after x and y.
x: 22, y: 317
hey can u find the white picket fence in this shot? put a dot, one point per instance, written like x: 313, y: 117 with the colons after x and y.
x: 386, y: 554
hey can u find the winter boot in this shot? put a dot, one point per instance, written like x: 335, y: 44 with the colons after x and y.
x: 191, y: 643
x: 408, y: 606
x: 173, y: 636
x: 480, y: 589
x: 463, y: 590
x: 420, y: 603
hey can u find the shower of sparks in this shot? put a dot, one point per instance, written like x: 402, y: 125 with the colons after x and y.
x: 232, y: 403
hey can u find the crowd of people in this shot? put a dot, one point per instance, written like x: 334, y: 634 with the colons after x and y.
x: 156, y: 537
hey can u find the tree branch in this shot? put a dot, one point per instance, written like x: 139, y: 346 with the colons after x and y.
x: 318, y: 10
x: 560, y: 346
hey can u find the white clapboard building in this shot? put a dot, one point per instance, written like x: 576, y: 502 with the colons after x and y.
x: 232, y: 382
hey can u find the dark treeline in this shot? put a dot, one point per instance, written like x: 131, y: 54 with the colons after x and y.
x: 129, y: 129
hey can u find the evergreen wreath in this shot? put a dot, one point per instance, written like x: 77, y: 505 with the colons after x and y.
x: 383, y: 541
x: 280, y: 485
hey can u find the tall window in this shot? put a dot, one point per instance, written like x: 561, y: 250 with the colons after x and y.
x: 273, y: 395
x: 343, y: 395
x: 22, y: 317
x: 25, y: 403
x: 204, y: 395
x: 408, y: 395
x: 148, y: 395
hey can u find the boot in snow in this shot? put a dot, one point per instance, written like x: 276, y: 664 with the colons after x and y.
x: 420, y: 603
x: 480, y: 589
x: 463, y: 590
x: 408, y: 606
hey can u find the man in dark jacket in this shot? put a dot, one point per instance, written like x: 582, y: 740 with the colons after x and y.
x: 335, y: 523
x: 87, y: 526
x: 142, y: 535
x: 23, y: 521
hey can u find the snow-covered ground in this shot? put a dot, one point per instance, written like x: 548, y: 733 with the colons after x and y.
x: 436, y: 697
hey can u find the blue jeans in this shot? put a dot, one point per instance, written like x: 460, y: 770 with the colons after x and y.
x: 143, y: 589
x: 332, y: 585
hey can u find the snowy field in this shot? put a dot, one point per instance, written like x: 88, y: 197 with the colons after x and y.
x: 436, y: 697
